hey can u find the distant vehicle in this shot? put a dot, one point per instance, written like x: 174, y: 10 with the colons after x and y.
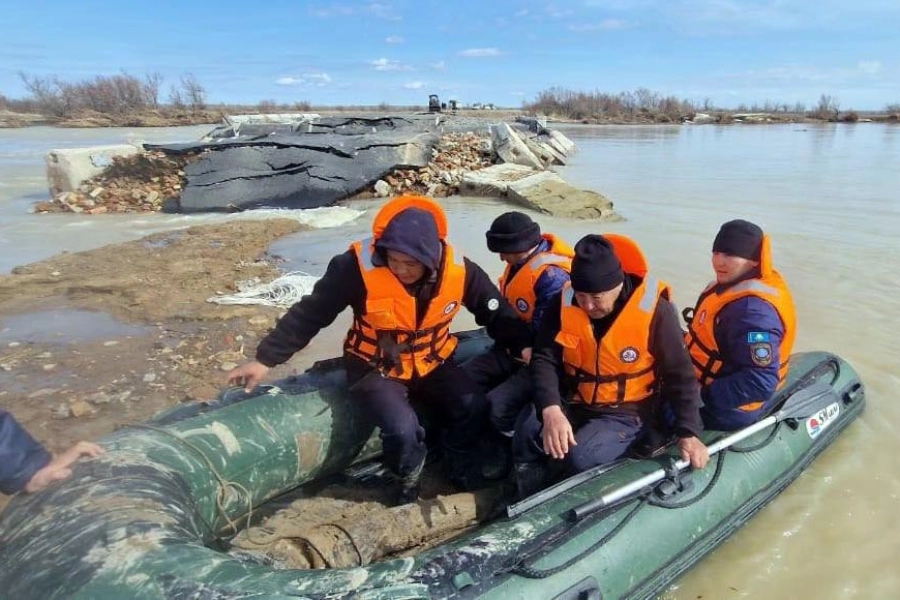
x: 452, y: 105
x: 434, y: 103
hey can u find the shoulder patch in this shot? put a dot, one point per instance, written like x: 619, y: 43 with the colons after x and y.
x: 755, y: 337
x: 761, y: 354
x: 493, y: 304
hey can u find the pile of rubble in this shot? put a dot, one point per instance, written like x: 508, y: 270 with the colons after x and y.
x: 139, y: 182
x: 455, y: 155
x: 142, y: 182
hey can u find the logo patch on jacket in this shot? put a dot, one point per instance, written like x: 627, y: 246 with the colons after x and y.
x: 761, y: 354
x: 449, y: 308
x: 755, y: 337
x: 522, y: 305
x: 629, y: 355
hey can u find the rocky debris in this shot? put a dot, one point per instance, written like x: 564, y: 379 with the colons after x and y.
x: 311, y: 162
x: 140, y: 182
x: 455, y: 155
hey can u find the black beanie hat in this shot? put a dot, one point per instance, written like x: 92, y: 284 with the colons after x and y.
x: 595, y: 268
x: 513, y: 232
x: 739, y: 238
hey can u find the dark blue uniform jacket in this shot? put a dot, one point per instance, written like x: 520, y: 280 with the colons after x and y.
x: 21, y: 456
x: 750, y: 369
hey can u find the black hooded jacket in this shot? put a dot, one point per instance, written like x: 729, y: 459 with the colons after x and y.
x: 342, y: 285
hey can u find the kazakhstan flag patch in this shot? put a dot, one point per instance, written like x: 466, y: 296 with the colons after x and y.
x: 756, y: 337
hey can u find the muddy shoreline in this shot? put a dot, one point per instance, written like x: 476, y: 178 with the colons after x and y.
x: 96, y: 340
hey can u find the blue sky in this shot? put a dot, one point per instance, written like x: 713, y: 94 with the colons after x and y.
x: 363, y: 52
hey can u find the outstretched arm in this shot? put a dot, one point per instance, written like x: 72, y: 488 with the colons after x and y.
x: 26, y: 465
x: 21, y: 456
x: 60, y: 467
x: 339, y: 287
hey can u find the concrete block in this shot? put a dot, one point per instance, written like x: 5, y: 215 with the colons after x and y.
x: 492, y: 182
x: 549, y: 193
x: 67, y: 168
x: 511, y: 149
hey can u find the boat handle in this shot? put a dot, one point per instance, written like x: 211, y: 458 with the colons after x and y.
x: 586, y: 589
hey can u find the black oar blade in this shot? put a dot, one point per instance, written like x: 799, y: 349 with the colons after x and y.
x: 808, y: 402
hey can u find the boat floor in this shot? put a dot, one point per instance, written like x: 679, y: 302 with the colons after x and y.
x: 351, y: 522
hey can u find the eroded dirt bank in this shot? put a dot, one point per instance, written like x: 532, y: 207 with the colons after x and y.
x: 94, y: 340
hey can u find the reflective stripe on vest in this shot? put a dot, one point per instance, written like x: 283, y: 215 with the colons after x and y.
x: 387, y: 334
x: 619, y: 368
x: 701, y: 339
x: 519, y: 290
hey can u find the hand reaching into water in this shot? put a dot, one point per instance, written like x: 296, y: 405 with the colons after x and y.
x: 248, y: 375
x: 58, y: 468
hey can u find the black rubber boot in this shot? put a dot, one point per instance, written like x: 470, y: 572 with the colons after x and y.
x: 408, y: 491
x: 497, y: 459
x: 530, y: 479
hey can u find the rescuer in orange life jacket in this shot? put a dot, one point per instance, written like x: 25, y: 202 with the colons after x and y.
x: 405, y: 284
x: 741, y: 331
x: 537, y: 267
x: 609, y: 350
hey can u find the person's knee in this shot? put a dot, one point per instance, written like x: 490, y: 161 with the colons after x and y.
x: 403, y: 426
x: 580, y: 460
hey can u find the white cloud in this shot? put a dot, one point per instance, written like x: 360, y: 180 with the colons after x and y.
x: 414, y: 85
x: 523, y: 13
x: 376, y: 9
x: 394, y: 39
x: 870, y: 67
x: 384, y: 64
x: 557, y: 12
x: 326, y: 12
x: 479, y: 52
x: 438, y: 66
x: 794, y: 74
x: 307, y: 79
x: 604, y: 25
x: 382, y: 11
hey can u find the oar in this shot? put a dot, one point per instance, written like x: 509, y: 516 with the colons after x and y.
x: 800, y: 405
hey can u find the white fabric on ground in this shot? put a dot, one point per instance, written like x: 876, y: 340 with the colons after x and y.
x: 284, y: 291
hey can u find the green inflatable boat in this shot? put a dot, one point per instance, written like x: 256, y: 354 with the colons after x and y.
x: 150, y: 518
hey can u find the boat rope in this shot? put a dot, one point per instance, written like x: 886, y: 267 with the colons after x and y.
x: 531, y: 573
x: 762, y: 444
x: 720, y: 461
x: 223, y: 484
x: 284, y: 291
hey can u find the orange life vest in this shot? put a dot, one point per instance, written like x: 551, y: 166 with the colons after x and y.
x: 389, y: 318
x: 619, y: 368
x: 519, y: 291
x: 701, y: 339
